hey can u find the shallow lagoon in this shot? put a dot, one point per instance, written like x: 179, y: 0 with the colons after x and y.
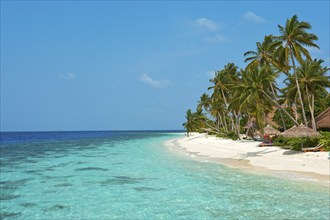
x: 131, y: 175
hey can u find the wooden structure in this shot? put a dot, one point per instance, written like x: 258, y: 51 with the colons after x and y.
x: 323, y: 120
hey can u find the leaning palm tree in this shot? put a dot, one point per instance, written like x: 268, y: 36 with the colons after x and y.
x: 313, y: 80
x: 249, y: 93
x: 264, y: 57
x: 222, y: 86
x: 254, y: 93
x: 219, y: 111
x: 291, y: 46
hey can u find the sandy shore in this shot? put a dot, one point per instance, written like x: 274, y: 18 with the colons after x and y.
x: 247, y: 155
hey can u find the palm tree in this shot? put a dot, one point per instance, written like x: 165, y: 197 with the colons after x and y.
x: 195, y: 121
x: 254, y: 93
x: 204, y: 102
x: 189, y: 125
x: 218, y: 111
x: 291, y: 46
x: 222, y: 85
x: 264, y: 57
x: 249, y: 93
x: 312, y: 78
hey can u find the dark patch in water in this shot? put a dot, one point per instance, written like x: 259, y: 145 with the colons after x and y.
x: 91, y: 168
x: 50, y: 169
x: 48, y: 177
x: 32, y: 171
x: 65, y: 177
x: 121, y: 180
x: 81, y: 162
x: 129, y: 178
x: 59, y: 156
x: 13, y: 184
x: 4, y: 215
x: 4, y: 196
x: 147, y: 189
x: 56, y: 208
x: 27, y: 205
x: 60, y: 165
x: 50, y: 191
x: 63, y: 185
x: 31, y: 161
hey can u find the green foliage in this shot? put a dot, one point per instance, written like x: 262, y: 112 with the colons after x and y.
x: 249, y: 94
x: 325, y: 140
x: 296, y: 143
x: 280, y: 141
x: 277, y: 118
x: 232, y: 135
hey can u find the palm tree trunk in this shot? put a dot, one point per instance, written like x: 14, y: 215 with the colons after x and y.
x: 238, y: 125
x: 220, y: 121
x: 229, y: 113
x: 298, y: 89
x: 279, y: 106
x: 311, y: 109
x: 225, y: 121
x: 313, y: 105
x: 279, y: 110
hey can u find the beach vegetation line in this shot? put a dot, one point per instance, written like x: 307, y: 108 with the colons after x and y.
x: 246, y: 100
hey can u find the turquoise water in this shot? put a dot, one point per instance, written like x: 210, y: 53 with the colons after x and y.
x: 133, y: 176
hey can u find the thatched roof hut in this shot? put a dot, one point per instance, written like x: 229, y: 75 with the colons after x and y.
x: 300, y: 131
x: 323, y: 119
x: 270, y: 130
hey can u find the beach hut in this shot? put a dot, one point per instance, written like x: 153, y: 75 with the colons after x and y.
x: 300, y: 131
x: 270, y: 130
x: 323, y: 120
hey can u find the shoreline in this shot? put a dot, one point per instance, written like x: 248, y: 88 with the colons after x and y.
x: 245, y: 155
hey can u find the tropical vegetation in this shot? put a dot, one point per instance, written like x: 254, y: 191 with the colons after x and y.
x: 242, y: 100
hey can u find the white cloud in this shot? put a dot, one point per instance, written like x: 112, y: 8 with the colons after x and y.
x: 215, y: 38
x: 250, y: 16
x: 67, y: 76
x: 161, y: 83
x: 207, y: 23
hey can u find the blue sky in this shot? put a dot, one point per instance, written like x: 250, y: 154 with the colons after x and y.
x: 111, y: 65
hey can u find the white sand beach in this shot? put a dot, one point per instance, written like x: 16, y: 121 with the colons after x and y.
x: 246, y: 154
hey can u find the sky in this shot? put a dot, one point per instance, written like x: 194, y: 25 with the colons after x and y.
x: 129, y: 65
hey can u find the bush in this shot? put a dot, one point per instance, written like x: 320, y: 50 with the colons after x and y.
x: 232, y: 135
x: 295, y: 143
x: 280, y: 141
x: 298, y: 143
x: 325, y: 140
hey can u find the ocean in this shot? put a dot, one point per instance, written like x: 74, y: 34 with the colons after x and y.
x: 133, y: 175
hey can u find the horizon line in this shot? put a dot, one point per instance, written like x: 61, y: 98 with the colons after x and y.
x: 131, y: 130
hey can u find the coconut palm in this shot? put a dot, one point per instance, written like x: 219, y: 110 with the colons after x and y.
x: 313, y: 80
x: 204, y: 102
x: 291, y: 46
x: 264, y: 57
x: 218, y: 111
x: 189, y: 125
x: 222, y: 87
x: 254, y: 93
x: 195, y: 121
x: 249, y: 93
